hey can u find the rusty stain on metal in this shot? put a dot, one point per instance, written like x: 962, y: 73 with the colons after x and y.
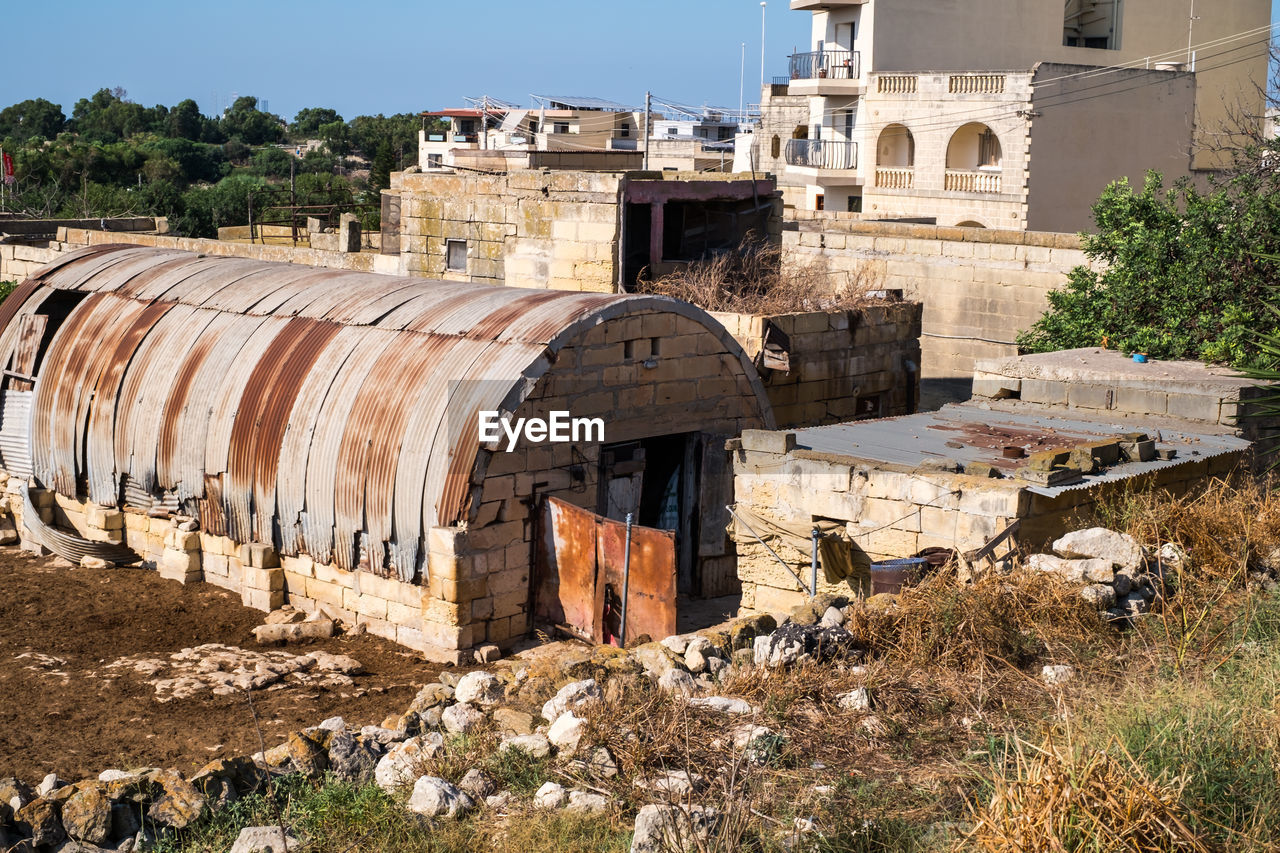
x: 331, y: 412
x: 580, y: 564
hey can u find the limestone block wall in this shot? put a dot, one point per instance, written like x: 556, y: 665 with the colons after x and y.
x: 553, y: 230
x: 892, y: 511
x: 844, y: 365
x: 979, y: 287
x: 17, y: 261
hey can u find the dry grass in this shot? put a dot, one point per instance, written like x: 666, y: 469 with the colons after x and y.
x: 1055, y: 798
x: 754, y: 280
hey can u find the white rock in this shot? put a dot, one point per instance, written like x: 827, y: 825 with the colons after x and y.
x: 1057, y: 673
x: 695, y: 661
x: 535, y: 744
x: 434, y: 797
x: 49, y: 784
x: 550, y: 796
x: 264, y: 839
x: 587, y: 801
x: 1120, y: 549
x: 479, y: 688
x: 656, y: 661
x: 858, y: 699
x: 676, y: 644
x: 88, y: 562
x: 572, y: 695
x: 723, y: 704
x: 461, y: 718
x: 744, y: 736
x: 500, y: 800
x: 402, y: 763
x: 674, y: 680
x: 678, y: 782
x: 664, y: 829
x: 1099, y: 594
x: 1074, y: 570
x: 780, y: 653
x: 832, y: 618
x: 333, y: 724
x: 874, y: 726
x: 113, y: 775
x: 566, y: 731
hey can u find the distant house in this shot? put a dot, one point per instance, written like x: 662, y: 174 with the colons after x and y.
x: 1004, y: 114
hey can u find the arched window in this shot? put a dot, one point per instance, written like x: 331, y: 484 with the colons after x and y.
x: 896, y: 148
x: 972, y: 147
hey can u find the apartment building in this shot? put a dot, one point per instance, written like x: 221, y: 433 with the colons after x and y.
x: 1005, y: 113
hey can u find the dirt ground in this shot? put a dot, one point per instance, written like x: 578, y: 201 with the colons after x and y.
x: 64, y: 710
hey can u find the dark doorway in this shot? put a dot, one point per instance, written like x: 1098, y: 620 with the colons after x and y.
x: 635, y: 242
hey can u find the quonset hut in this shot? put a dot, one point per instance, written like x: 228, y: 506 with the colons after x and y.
x: 321, y: 428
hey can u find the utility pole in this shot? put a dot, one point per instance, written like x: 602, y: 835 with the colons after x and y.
x: 293, y: 202
x: 648, y: 96
x: 1191, y: 26
x: 742, y: 72
x: 762, y: 5
x: 484, y: 120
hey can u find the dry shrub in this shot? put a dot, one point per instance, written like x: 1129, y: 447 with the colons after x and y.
x: 997, y: 620
x: 1053, y: 797
x: 752, y: 279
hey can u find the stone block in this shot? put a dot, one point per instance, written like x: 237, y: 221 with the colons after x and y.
x: 104, y: 518
x: 259, y: 555
x: 252, y: 577
x: 768, y: 441
x: 182, y: 566
x: 262, y: 599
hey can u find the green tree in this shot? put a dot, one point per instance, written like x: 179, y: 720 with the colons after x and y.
x: 185, y: 121
x: 337, y: 137
x: 250, y: 124
x: 36, y: 118
x: 1181, y: 272
x: 306, y: 124
x: 272, y: 163
x: 380, y: 171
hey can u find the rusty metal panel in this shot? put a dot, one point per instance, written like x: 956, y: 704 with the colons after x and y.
x: 566, y: 589
x: 30, y: 331
x: 15, y: 432
x: 322, y: 460
x: 184, y: 433
x: 222, y: 274
x: 100, y: 457
x: 427, y: 297
x: 265, y: 402
x: 543, y: 322
x: 291, y: 475
x: 144, y: 391
x: 651, y: 588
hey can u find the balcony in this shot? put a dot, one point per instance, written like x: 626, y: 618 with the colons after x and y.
x: 821, y: 5
x: 833, y: 160
x: 826, y: 72
x: 966, y: 181
x: 895, y: 179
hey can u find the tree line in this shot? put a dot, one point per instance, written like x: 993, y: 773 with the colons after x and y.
x: 115, y: 157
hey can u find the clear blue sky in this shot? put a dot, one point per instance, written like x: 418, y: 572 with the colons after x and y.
x: 393, y: 56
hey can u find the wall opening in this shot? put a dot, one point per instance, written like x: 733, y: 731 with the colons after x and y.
x: 1092, y: 23
x: 455, y: 255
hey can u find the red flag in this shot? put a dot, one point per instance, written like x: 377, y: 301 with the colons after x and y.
x: 8, y: 169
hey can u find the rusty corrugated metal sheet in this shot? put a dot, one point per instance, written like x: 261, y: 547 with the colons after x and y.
x: 331, y: 412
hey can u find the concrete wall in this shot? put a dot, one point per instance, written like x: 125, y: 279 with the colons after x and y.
x: 838, y: 360
x: 1003, y: 34
x: 979, y: 287
x: 1090, y: 131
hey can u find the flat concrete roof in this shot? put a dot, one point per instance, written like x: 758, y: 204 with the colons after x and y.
x: 1110, y: 367
x: 969, y: 433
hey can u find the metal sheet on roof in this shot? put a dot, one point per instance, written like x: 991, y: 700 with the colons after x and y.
x: 584, y: 102
x: 969, y: 433
x: 331, y: 412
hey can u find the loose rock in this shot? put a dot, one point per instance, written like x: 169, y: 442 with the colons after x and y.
x: 434, y: 797
x: 550, y: 796
x: 662, y: 829
x: 572, y: 695
x: 479, y: 688
x: 400, y: 765
x: 462, y: 718
x: 264, y: 839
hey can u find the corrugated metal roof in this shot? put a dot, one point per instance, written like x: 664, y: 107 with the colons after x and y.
x: 584, y: 102
x: 970, y: 433
x: 330, y: 412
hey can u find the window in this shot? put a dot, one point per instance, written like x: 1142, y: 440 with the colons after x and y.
x: 561, y: 127
x: 455, y: 255
x: 820, y: 202
x: 467, y: 126
x: 1092, y: 24
x: 671, y: 131
x: 724, y: 133
x: 775, y: 147
x: 433, y: 161
x: 624, y: 131
x: 855, y: 204
x: 988, y: 150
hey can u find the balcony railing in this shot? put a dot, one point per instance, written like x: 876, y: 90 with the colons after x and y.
x: 833, y: 64
x: 976, y: 84
x: 895, y: 179
x: 822, y: 154
x: 965, y: 181
x: 898, y: 84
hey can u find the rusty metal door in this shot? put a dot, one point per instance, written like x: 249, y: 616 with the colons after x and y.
x: 581, y: 560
